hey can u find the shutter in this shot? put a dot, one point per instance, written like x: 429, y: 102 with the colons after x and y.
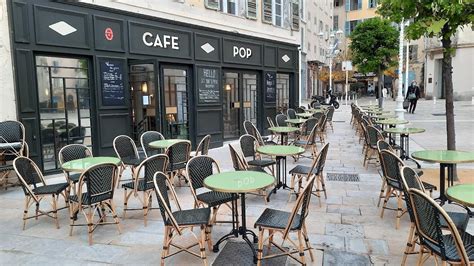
x: 348, y: 5
x: 251, y: 9
x: 347, y: 28
x: 212, y: 4
x: 359, y: 5
x: 267, y: 11
x: 295, y: 15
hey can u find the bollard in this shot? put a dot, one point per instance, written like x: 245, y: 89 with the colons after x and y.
x: 434, y: 100
x: 472, y: 100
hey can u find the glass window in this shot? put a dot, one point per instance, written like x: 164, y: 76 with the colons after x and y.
x: 278, y: 13
x: 283, y: 92
x: 335, y: 22
x: 230, y: 6
x: 176, y: 103
x: 372, y: 3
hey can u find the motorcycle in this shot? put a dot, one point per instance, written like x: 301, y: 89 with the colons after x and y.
x: 320, y: 100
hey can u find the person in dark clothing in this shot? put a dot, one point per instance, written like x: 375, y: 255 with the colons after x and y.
x: 413, y: 94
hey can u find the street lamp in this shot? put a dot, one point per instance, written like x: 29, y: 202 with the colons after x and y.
x: 332, y: 51
x: 399, y: 111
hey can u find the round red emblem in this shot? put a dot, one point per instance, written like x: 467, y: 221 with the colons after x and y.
x: 109, y: 34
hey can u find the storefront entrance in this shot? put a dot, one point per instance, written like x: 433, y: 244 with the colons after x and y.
x: 239, y: 101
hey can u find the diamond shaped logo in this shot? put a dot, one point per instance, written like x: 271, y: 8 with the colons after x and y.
x: 62, y: 28
x: 207, y: 47
x: 286, y: 58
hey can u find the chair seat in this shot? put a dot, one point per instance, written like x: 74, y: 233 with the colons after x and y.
x: 303, y: 170
x: 255, y: 168
x: 93, y: 200
x: 7, y: 167
x: 74, y: 177
x: 142, y: 185
x: 192, y: 217
x: 177, y: 166
x: 277, y: 219
x: 132, y: 161
x: 302, y: 142
x: 51, y: 189
x: 429, y: 186
x: 10, y: 145
x: 460, y: 220
x: 450, y: 246
x: 261, y: 163
x: 213, y: 198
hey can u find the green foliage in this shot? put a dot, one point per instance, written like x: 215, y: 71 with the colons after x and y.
x: 434, y: 18
x: 374, y: 45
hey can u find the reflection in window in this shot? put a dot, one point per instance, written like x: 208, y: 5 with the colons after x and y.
x: 176, y: 103
x: 283, y: 92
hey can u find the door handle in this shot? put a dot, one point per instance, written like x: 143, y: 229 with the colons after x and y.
x: 236, y: 105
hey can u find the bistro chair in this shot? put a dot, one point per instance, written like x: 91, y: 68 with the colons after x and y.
x: 284, y: 223
x: 35, y: 189
x: 240, y: 164
x: 12, y: 139
x: 373, y: 135
x: 178, y: 154
x: 197, y: 169
x: 411, y: 180
x: 291, y: 113
x: 95, y: 194
x: 321, y: 129
x: 249, y: 127
x: 127, y: 152
x: 148, y: 137
x: 316, y: 169
x: 151, y: 165
x: 253, y: 130
x: 449, y: 245
x: 382, y: 145
x: 280, y: 120
x: 308, y: 143
x: 178, y: 222
x: 247, y: 145
x: 203, y: 147
x: 271, y: 124
x: 330, y: 115
x: 300, y: 109
x: 77, y: 135
x: 73, y: 152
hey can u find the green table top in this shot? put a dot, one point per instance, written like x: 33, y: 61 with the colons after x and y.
x: 304, y: 115
x: 463, y: 193
x: 283, y: 129
x: 444, y: 156
x: 316, y: 111
x: 391, y: 122
x: 164, y: 143
x: 280, y: 150
x: 296, y: 121
x: 405, y: 130
x: 239, y: 181
x: 369, y: 105
x: 385, y: 116
x: 80, y: 165
x: 378, y: 112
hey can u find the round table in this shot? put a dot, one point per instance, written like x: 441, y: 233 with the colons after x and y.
x: 80, y: 165
x: 304, y: 115
x: 239, y: 182
x: 390, y: 122
x: 280, y: 152
x: 462, y: 194
x: 382, y: 116
x: 296, y: 121
x: 377, y: 112
x: 405, y: 140
x: 316, y: 111
x: 164, y: 143
x: 283, y: 131
x: 446, y: 159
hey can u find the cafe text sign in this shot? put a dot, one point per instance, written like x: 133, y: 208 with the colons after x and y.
x: 161, y: 41
x: 242, y: 52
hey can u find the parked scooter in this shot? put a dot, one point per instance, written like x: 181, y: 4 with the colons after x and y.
x: 320, y: 100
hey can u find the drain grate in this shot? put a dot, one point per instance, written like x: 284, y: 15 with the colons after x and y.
x: 344, y: 177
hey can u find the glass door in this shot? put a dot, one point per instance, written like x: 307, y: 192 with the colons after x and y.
x: 283, y: 92
x: 64, y: 100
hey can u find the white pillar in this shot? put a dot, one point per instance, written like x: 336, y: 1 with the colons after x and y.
x: 330, y: 74
x: 407, y: 69
x: 399, y: 111
x: 347, y: 83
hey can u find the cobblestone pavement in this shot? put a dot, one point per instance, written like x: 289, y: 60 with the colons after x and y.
x: 345, y: 230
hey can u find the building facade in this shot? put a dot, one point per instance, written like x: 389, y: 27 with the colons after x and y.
x: 87, y: 72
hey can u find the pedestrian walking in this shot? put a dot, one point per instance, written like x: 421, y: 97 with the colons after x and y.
x: 413, y: 94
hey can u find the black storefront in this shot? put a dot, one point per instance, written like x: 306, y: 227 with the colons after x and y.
x: 86, y: 74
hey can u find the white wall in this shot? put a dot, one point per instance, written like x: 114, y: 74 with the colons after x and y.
x: 7, y: 91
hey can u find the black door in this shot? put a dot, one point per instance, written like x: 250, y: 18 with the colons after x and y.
x: 239, y: 101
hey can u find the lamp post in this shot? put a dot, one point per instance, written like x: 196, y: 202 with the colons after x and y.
x: 332, y: 51
x: 399, y: 111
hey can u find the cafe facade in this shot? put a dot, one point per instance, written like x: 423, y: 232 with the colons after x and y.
x: 85, y: 74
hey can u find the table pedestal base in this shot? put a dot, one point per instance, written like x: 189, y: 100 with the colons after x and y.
x: 281, y: 171
x: 405, y: 149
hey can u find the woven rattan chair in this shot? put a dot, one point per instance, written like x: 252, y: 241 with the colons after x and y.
x: 247, y: 145
x: 73, y: 152
x: 178, y: 222
x: 148, y: 137
x: 410, y: 180
x: 151, y: 165
x: 284, y: 223
x: 12, y: 139
x: 291, y: 113
x: 203, y: 147
x: 249, y: 127
x: 321, y: 129
x: 178, y: 154
x: 316, y: 169
x: 382, y: 145
x: 308, y: 143
x: 271, y: 124
x: 197, y: 169
x: 281, y: 120
x: 240, y: 164
x: 330, y: 115
x: 300, y: 109
x: 371, y: 152
x: 451, y: 246
x: 95, y: 191
x: 35, y: 189
x: 127, y: 152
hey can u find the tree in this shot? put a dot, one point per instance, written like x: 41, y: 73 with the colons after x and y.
x: 374, y: 46
x: 435, y: 18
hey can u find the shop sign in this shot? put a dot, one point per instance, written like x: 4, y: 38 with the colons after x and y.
x: 163, y: 41
x: 242, y: 52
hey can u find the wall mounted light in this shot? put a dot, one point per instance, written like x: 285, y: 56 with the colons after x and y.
x: 228, y: 87
x: 144, y: 87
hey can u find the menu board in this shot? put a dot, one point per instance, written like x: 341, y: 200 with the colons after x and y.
x: 112, y: 82
x: 208, y: 85
x: 270, y: 87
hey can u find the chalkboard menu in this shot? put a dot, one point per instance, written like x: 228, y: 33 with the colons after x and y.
x: 112, y: 82
x: 208, y: 85
x: 270, y: 87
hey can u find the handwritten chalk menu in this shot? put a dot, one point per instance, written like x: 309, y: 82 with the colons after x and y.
x: 270, y: 87
x: 208, y: 85
x: 112, y: 82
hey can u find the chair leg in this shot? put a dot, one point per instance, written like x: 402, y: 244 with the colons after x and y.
x: 420, y: 257
x: 270, y: 240
x: 122, y: 169
x: 382, y: 190
x: 410, y: 243
x: 164, y: 252
x: 260, y: 247
x: 323, y: 185
x: 399, y: 209
x: 114, y: 215
x: 146, y: 203
x: 308, y: 244
x: 387, y: 197
x: 301, y: 247
x: 55, y: 210
x: 208, y: 236
x: 25, y: 211
x: 89, y: 220
x: 202, y: 244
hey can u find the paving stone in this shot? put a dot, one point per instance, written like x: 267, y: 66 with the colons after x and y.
x: 355, y: 245
x: 343, y: 209
x: 326, y: 242
x: 345, y: 230
x: 335, y: 257
x: 377, y: 246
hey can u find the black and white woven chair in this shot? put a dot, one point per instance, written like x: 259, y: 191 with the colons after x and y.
x: 12, y: 139
x: 291, y: 113
x: 330, y: 115
x: 373, y: 136
x: 284, y: 223
x: 281, y: 120
x: 249, y: 127
x: 144, y: 185
x: 307, y: 142
x: 448, y: 244
x: 127, y: 152
x: 203, y: 146
x: 148, y: 137
x: 178, y: 155
x: 95, y: 191
x: 248, y: 144
x: 73, y: 152
x: 179, y: 221
x: 35, y: 189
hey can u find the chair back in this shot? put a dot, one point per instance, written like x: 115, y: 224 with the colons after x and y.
x: 203, y: 146
x: 300, y: 109
x: 320, y: 161
x: 148, y: 137
x: 125, y: 147
x: 179, y: 153
x: 291, y: 113
x: 317, y: 115
x: 409, y: 179
x: 151, y: 165
x: 428, y: 225
x: 391, y: 164
x: 200, y: 167
x: 310, y: 124
x: 384, y: 145
x: 270, y: 122
x: 29, y: 174
x: 247, y: 145
x: 374, y: 136
x: 99, y: 181
x: 322, y: 123
x: 330, y: 113
x: 162, y: 185
x: 77, y: 135
x: 237, y: 161
x: 301, y: 206
x: 280, y: 120
x: 11, y: 131
x: 249, y: 127
x: 73, y: 152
